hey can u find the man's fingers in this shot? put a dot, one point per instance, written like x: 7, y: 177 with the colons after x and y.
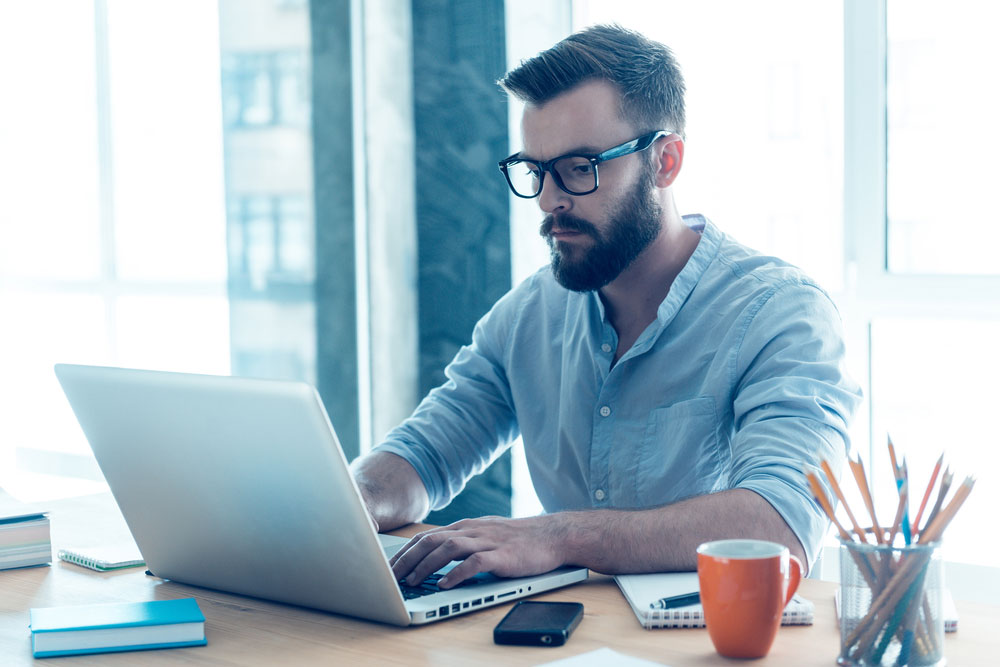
x: 407, y: 558
x: 470, y: 567
x: 431, y: 553
x: 450, y: 548
x: 413, y: 541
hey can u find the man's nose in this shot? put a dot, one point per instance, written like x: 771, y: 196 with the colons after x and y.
x: 552, y: 198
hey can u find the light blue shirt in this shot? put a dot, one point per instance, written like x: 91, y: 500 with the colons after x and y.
x: 738, y: 383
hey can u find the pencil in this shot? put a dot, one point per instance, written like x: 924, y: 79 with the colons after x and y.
x: 899, y: 606
x: 863, y: 563
x: 904, y: 501
x: 927, y: 495
x: 892, y: 457
x: 867, y: 631
x: 824, y: 502
x: 942, y: 492
x: 933, y: 531
x: 843, y: 501
x: 858, y: 468
x: 900, y: 510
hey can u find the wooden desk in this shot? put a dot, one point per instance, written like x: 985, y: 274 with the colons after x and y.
x: 247, y: 631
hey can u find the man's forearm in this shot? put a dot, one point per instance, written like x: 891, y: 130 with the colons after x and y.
x: 391, y: 488
x: 666, y: 538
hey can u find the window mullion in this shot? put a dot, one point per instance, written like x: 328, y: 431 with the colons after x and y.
x: 864, y: 141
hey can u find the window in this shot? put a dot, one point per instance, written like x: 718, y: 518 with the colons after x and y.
x: 112, y: 225
x: 270, y: 243
x: 264, y: 89
x: 938, y: 406
x: 268, y: 149
x: 942, y: 131
x: 923, y: 303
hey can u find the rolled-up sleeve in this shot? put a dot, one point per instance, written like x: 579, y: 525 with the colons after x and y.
x: 793, y: 403
x: 463, y: 425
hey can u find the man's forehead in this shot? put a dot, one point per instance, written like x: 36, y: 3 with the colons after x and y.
x: 584, y: 119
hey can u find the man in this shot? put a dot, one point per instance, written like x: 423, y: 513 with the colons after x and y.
x: 670, y: 385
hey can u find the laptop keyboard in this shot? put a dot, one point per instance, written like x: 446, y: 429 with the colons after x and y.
x: 429, y: 585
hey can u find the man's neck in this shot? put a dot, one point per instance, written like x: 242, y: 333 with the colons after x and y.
x: 632, y: 300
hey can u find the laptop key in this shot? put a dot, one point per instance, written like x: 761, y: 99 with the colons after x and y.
x: 429, y: 585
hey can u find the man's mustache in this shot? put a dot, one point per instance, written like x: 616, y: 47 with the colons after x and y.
x: 569, y: 223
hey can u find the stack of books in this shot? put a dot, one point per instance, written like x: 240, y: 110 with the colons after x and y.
x: 24, y: 540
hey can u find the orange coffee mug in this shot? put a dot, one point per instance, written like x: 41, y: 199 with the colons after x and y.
x: 744, y: 587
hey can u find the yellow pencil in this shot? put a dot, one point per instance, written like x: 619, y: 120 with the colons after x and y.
x: 858, y: 468
x: 843, y: 501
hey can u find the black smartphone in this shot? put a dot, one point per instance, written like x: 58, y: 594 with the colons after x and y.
x: 538, y: 623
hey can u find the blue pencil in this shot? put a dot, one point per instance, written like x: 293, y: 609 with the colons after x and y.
x: 903, y: 479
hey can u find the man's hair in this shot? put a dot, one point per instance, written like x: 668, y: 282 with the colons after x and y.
x: 643, y: 70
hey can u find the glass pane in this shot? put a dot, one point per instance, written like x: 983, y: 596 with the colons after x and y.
x: 167, y: 138
x: 934, y: 390
x: 269, y: 187
x: 764, y: 155
x: 943, y: 137
x: 295, y: 247
x: 181, y: 333
x: 50, y: 328
x: 48, y: 142
x: 65, y: 261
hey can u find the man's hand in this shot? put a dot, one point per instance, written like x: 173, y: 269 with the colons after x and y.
x: 661, y: 539
x: 504, y: 547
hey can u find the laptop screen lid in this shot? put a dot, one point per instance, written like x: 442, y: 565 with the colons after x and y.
x: 235, y: 484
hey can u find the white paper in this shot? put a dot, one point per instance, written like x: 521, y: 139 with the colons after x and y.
x: 602, y: 657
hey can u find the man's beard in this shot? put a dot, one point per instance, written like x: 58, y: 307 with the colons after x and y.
x: 631, y: 229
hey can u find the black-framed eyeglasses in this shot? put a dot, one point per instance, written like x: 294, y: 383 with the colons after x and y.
x: 575, y: 174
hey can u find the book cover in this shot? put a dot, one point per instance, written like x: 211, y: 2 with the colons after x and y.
x: 102, y: 628
x: 24, y: 540
x: 643, y: 590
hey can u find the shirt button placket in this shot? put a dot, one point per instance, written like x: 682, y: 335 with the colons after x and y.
x: 600, y: 494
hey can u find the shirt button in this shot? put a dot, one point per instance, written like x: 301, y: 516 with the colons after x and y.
x: 599, y: 494
x: 606, y: 347
x: 605, y: 411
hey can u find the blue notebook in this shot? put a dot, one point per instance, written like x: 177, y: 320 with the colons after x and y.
x: 103, y: 628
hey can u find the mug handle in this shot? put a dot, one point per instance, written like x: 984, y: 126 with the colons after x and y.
x: 794, y: 577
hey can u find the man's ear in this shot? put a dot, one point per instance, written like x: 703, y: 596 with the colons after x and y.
x: 669, y: 152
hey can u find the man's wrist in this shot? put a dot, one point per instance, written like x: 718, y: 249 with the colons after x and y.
x: 579, y: 536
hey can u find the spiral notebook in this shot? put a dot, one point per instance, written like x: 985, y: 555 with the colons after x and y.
x: 104, y: 559
x: 643, y: 590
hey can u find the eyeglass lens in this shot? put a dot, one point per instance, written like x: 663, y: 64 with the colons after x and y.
x: 577, y: 175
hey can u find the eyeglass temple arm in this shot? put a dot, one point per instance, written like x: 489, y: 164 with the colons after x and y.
x: 634, y: 146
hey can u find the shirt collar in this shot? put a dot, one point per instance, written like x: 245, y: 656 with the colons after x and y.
x: 702, y: 257
x: 694, y: 269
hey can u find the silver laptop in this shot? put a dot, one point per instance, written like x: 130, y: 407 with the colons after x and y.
x: 241, y: 485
